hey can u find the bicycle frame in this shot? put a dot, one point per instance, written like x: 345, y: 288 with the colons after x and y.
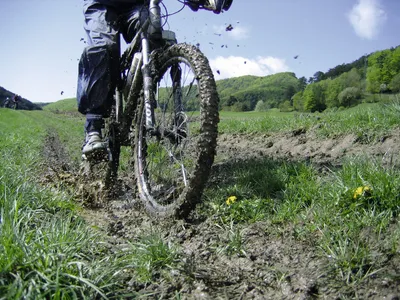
x: 139, y: 73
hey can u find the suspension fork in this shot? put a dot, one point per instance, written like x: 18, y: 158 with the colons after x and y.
x: 147, y: 86
x: 155, y: 30
x: 118, y: 95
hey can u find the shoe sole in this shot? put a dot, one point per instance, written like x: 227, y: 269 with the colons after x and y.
x: 96, y: 155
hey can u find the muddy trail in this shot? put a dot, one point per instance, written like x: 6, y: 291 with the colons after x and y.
x: 272, y: 267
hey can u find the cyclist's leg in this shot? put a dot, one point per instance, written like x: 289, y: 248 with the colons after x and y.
x: 132, y: 18
x: 98, y: 67
x: 98, y: 70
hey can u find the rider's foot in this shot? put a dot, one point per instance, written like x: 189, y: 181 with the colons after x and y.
x: 94, y: 148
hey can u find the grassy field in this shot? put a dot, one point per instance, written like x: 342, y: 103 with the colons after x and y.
x: 349, y: 214
x: 46, y: 250
x: 65, y: 105
x: 364, y: 119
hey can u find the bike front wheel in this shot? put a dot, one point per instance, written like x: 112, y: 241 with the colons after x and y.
x: 173, y: 161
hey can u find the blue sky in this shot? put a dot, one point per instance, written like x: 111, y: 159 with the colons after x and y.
x: 41, y: 39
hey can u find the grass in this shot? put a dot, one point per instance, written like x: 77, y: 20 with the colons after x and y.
x: 354, y: 231
x: 153, y: 254
x: 233, y: 245
x: 65, y: 105
x: 69, y: 129
x: 367, y: 121
x: 48, y: 251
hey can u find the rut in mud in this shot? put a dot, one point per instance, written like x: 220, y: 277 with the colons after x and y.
x: 272, y: 267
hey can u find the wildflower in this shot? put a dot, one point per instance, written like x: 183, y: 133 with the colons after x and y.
x: 362, y: 191
x: 231, y: 200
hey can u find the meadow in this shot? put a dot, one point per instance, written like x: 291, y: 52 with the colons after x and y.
x: 345, y: 214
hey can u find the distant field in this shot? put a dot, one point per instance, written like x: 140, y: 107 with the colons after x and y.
x: 366, y: 118
x: 65, y: 105
x: 253, y: 114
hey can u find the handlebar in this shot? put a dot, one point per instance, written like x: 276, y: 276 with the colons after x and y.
x: 195, y: 5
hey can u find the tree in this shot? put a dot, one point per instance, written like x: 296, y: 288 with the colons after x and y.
x: 395, y: 84
x: 285, y: 106
x: 261, y: 106
x: 379, y: 70
x: 332, y: 91
x: 289, y: 92
x: 373, y: 79
x: 314, y: 99
x: 351, y: 79
x: 359, y: 64
x: 318, y: 76
x: 240, y: 106
x: 394, y: 62
x: 298, y: 101
x: 349, y: 96
x: 231, y: 100
x: 302, y: 83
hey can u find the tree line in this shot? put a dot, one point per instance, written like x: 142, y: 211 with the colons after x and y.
x: 342, y: 86
x: 23, y: 104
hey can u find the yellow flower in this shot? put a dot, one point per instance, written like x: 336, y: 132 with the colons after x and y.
x: 231, y: 200
x: 362, y: 191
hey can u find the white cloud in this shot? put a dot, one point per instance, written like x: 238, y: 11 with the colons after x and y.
x: 239, y: 32
x: 366, y: 17
x: 234, y: 66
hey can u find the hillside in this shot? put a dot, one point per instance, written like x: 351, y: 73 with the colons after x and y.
x: 25, y: 104
x: 65, y: 105
x: 243, y: 93
x: 345, y: 85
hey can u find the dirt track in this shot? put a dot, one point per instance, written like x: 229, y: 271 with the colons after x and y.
x: 273, y: 267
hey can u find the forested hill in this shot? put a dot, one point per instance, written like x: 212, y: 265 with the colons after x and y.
x: 359, y: 64
x: 342, y: 86
x: 24, y: 103
x: 243, y: 93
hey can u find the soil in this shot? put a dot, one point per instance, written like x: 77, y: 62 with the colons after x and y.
x: 273, y: 266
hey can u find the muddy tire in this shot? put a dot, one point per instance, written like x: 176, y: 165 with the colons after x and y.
x: 172, y: 165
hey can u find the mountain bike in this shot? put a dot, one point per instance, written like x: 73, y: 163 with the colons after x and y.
x: 166, y: 110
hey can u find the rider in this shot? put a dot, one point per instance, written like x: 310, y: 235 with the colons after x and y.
x: 16, y: 99
x: 99, y: 63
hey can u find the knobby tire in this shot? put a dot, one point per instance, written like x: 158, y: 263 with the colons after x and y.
x: 164, y: 195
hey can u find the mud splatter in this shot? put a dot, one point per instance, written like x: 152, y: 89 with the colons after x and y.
x: 270, y: 266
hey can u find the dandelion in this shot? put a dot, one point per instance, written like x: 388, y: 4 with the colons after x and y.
x: 231, y: 200
x: 362, y: 191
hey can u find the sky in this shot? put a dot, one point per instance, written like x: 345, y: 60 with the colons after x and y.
x: 41, y: 40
